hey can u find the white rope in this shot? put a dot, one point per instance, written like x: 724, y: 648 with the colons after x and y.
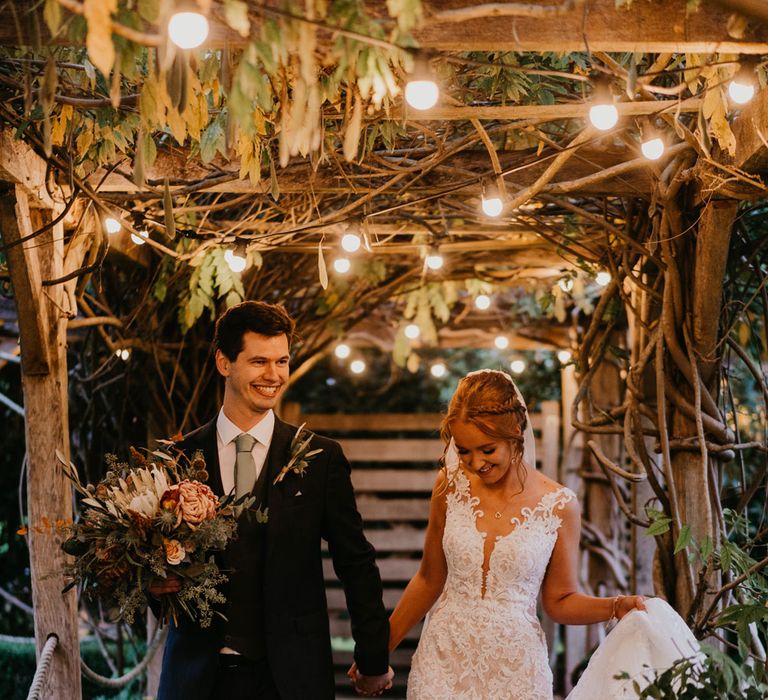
x: 134, y: 673
x: 41, y: 672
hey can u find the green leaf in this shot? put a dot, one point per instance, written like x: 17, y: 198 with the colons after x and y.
x: 211, y: 141
x: 659, y: 527
x: 683, y: 539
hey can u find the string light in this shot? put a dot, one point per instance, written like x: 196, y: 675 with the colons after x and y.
x: 351, y: 242
x: 421, y: 91
x: 112, y: 225
x: 123, y: 353
x: 603, y: 113
x: 741, y: 89
x: 357, y: 366
x: 566, y: 284
x: 412, y: 331
x: 603, y: 278
x: 651, y: 144
x: 434, y: 260
x: 342, y: 265
x: 140, y: 237
x: 438, y: 370
x: 491, y: 201
x: 482, y: 301
x: 564, y: 356
x: 342, y: 351
x: 188, y: 28
x: 517, y: 366
x: 236, y: 259
x: 501, y: 342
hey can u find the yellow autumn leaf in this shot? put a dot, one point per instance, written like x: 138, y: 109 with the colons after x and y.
x: 98, y: 42
x: 59, y: 128
x: 177, y: 125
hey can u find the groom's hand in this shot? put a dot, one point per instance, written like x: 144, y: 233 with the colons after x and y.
x: 371, y: 686
x: 169, y: 584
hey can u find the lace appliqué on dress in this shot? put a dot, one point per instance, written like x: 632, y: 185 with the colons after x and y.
x: 483, y: 639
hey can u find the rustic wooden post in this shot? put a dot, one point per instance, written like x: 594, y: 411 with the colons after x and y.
x: 42, y: 314
x: 693, y: 474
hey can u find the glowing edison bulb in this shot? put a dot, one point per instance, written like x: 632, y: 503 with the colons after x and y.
x: 342, y: 265
x: 564, y: 356
x: 342, y: 351
x: 140, y: 237
x: 501, y: 342
x: 482, y: 301
x: 603, y: 278
x: 438, y: 370
x: 357, y: 366
x: 434, y: 261
x: 350, y: 242
x: 740, y: 91
x: 188, y: 29
x: 603, y: 116
x: 235, y: 260
x: 112, y: 225
x: 412, y: 331
x: 653, y: 149
x: 517, y: 366
x: 421, y: 94
x: 492, y: 206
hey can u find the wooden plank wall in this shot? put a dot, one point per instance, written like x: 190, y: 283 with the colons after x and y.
x: 394, y: 466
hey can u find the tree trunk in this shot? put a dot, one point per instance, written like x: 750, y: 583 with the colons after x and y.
x: 693, y: 471
x: 42, y: 325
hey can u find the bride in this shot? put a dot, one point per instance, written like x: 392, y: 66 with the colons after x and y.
x: 499, y: 532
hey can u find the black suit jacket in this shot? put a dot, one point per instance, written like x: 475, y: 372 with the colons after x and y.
x: 302, y: 510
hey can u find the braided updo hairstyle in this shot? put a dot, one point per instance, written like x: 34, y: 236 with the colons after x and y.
x: 488, y: 400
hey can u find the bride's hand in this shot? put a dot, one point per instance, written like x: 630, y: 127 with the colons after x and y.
x: 627, y: 603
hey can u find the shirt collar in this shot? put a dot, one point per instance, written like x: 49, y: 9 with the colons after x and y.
x: 262, y: 431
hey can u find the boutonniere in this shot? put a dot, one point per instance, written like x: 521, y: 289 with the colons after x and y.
x: 300, y: 454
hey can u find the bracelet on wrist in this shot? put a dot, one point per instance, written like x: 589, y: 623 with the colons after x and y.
x: 616, y: 600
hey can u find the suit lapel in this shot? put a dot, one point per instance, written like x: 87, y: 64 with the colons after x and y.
x: 277, y: 458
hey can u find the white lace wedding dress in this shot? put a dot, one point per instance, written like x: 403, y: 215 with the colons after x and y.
x: 482, y: 640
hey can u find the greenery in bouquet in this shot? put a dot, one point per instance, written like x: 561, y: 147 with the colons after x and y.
x: 146, y: 519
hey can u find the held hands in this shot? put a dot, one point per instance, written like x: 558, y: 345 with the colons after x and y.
x: 623, y: 604
x: 170, y: 584
x: 370, y: 686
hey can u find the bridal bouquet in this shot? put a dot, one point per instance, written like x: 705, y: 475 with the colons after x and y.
x: 146, y: 519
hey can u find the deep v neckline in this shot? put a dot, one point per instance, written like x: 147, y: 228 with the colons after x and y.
x: 526, y: 516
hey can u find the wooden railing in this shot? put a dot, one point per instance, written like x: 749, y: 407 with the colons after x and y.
x: 394, y: 460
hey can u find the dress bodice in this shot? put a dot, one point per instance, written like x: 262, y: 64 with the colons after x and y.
x: 515, y: 569
x: 483, y: 639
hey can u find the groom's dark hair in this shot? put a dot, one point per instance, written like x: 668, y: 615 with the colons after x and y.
x: 255, y: 316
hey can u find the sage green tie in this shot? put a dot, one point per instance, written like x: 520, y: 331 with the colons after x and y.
x: 245, y: 467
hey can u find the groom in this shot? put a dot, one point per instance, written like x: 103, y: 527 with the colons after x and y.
x: 275, y: 641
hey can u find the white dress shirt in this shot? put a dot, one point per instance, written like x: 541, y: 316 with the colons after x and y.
x: 227, y: 431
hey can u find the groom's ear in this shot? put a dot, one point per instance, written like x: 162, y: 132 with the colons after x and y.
x: 222, y: 363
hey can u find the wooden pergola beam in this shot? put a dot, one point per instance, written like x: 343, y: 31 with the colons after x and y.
x: 301, y: 177
x: 591, y: 25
